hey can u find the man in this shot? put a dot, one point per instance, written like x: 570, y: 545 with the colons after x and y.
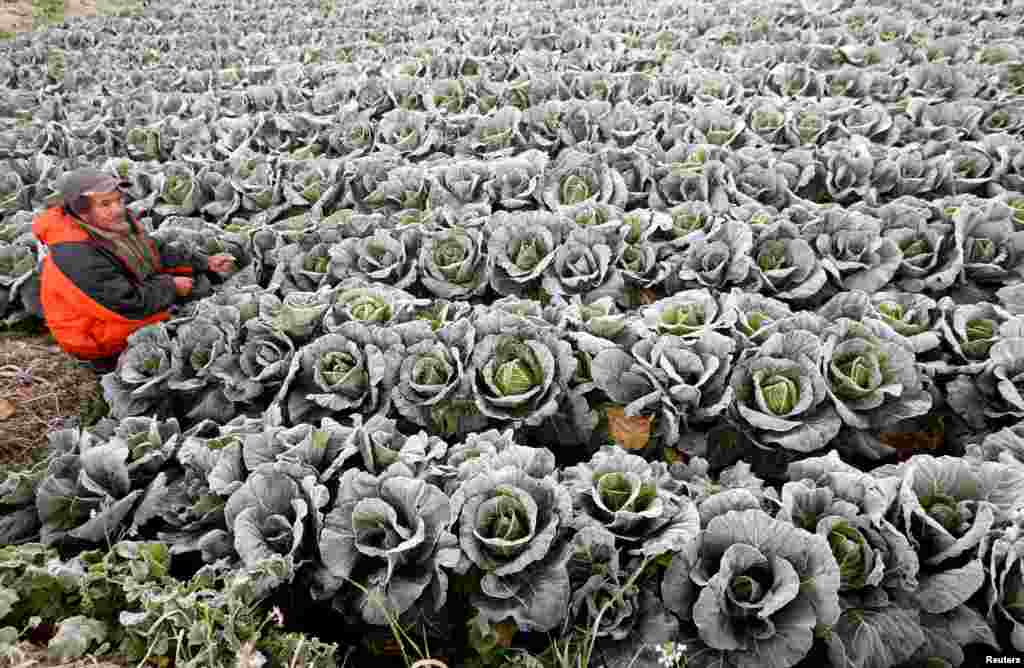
x: 104, y: 277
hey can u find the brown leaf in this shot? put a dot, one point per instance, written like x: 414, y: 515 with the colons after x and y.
x: 392, y: 648
x: 505, y: 632
x: 6, y: 409
x: 913, y: 440
x: 631, y: 432
x: 647, y: 296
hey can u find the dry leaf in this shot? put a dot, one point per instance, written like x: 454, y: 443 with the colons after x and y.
x: 505, y: 632
x: 648, y: 296
x: 631, y: 432
x: 913, y: 440
x: 6, y: 409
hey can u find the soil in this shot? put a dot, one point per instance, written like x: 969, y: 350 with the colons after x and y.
x: 40, y: 387
x: 16, y: 15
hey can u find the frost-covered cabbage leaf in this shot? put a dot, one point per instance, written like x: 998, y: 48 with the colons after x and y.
x: 852, y: 249
x: 353, y: 369
x: 139, y: 383
x: 753, y: 589
x: 781, y: 397
x: 511, y: 527
x: 274, y: 513
x: 434, y: 381
x: 520, y: 248
x: 872, y: 378
x: 520, y: 369
x: 619, y: 492
x: 389, y: 534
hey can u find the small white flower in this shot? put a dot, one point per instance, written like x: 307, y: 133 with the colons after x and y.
x: 671, y: 654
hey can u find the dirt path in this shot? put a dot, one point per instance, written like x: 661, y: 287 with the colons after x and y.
x: 16, y: 15
x: 40, y: 386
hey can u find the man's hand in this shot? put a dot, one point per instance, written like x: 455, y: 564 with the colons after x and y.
x: 183, y: 285
x: 220, y: 263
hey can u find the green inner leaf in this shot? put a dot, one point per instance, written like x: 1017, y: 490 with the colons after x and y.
x: 944, y: 510
x: 370, y: 309
x: 754, y: 322
x: 450, y: 253
x: 767, y: 120
x: 430, y: 370
x: 615, y: 490
x: 980, y: 329
x: 633, y: 259
x: 575, y: 189
x: 685, y: 317
x: 915, y: 247
x: 514, y: 377
x: 848, y: 547
x: 771, y: 255
x: 199, y: 358
x: 508, y: 520
x: 336, y: 365
x: 495, y: 136
x: 591, y: 216
x: 746, y: 589
x: 684, y: 223
x: 316, y: 264
x: 858, y: 370
x: 526, y: 253
x: 1018, y: 211
x: 891, y: 311
x: 780, y: 394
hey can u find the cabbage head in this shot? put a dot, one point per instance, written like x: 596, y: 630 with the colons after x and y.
x: 353, y: 369
x: 273, y: 513
x: 871, y: 375
x: 755, y: 589
x: 511, y: 528
x: 387, y: 533
x: 520, y: 369
x: 852, y: 249
x: 619, y: 492
x: 780, y: 396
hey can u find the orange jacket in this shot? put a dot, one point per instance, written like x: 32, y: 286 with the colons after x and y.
x: 91, y: 301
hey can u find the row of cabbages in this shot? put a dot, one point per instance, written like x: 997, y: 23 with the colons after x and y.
x: 202, y: 132
x: 918, y: 32
x: 296, y: 88
x: 906, y: 564
x: 217, y: 174
x: 468, y: 228
x: 721, y: 73
x: 723, y: 375
x: 448, y: 43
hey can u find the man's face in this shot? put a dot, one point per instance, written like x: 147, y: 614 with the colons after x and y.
x: 106, y: 211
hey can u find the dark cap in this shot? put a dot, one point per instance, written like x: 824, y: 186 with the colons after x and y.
x: 86, y: 180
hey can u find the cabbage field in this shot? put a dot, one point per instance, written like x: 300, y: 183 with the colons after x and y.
x: 562, y: 334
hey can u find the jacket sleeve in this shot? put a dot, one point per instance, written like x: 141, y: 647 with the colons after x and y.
x: 178, y: 259
x: 100, y: 276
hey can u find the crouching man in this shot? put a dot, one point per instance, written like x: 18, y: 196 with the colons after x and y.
x: 104, y: 277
